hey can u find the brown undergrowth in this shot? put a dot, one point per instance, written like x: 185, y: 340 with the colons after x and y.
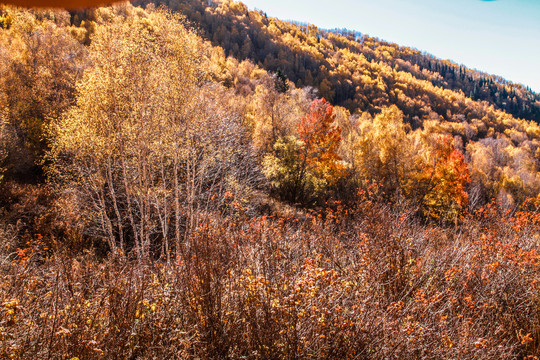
x: 368, y: 283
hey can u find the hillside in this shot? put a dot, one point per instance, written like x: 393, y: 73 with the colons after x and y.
x: 365, y: 75
x: 338, y: 65
x: 205, y: 182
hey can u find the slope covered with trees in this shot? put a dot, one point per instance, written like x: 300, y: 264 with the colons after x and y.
x: 349, y: 69
x: 165, y: 197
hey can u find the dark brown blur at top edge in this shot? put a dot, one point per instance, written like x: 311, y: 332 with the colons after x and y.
x: 66, y: 4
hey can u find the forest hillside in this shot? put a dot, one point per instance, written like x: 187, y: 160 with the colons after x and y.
x: 196, y: 180
x: 348, y: 66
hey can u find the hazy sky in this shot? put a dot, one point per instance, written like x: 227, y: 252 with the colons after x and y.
x: 500, y: 37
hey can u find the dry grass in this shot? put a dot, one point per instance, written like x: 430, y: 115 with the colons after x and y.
x: 368, y: 283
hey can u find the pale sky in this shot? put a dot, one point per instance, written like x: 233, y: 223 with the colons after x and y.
x: 500, y: 37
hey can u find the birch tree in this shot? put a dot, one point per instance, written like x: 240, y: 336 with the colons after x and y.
x: 148, y: 143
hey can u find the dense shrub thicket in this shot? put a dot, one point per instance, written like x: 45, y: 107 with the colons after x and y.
x: 368, y: 283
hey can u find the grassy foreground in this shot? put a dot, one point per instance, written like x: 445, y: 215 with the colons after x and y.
x: 362, y: 283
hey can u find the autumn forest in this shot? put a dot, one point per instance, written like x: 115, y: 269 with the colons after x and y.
x: 192, y: 179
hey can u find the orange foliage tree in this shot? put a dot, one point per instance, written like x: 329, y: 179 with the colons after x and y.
x: 321, y: 139
x: 304, y: 169
x: 446, y: 177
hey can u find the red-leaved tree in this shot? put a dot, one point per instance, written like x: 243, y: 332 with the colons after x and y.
x: 303, y: 169
x: 320, y: 138
x: 447, y: 177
